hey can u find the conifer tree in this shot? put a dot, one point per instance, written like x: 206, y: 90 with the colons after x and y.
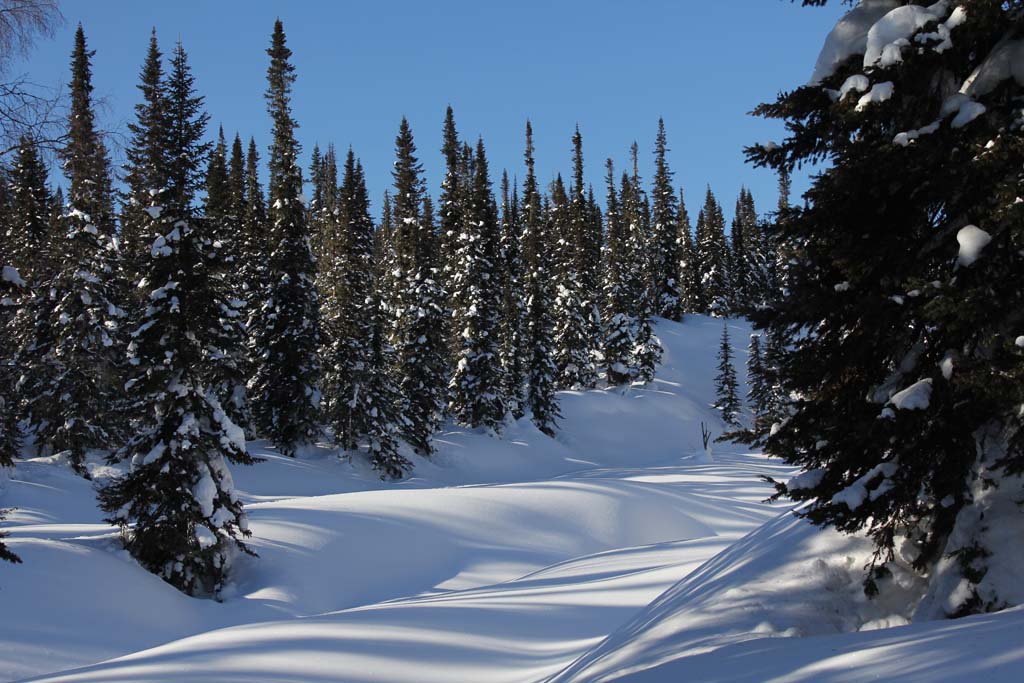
x: 713, y: 257
x: 381, y: 404
x: 28, y: 226
x: 739, y: 294
x: 585, y: 232
x: 10, y: 436
x: 177, y: 510
x: 639, y: 274
x: 542, y: 374
x: 664, y: 234
x: 759, y: 395
x: 476, y: 387
x: 452, y: 204
x: 223, y: 225
x: 74, y: 375
x: 253, y: 242
x: 11, y: 290
x: 619, y: 324
x: 146, y: 161
x: 572, y: 322
x: 726, y: 387
x: 903, y: 288
x: 419, y: 302
x: 689, y: 268
x: 285, y: 389
x: 514, y: 358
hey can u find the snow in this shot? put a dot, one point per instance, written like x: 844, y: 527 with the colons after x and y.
x: 10, y: 274
x: 1020, y: 342
x: 1004, y: 62
x: 855, y: 83
x: 915, y: 397
x: 880, y: 92
x: 893, y: 31
x: 604, y: 554
x: 850, y: 36
x: 972, y: 240
x: 968, y: 111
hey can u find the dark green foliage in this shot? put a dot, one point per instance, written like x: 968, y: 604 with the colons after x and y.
x: 542, y: 374
x: 178, y: 513
x: 726, y: 386
x: 418, y: 300
x: 147, y: 165
x: 74, y: 378
x: 879, y: 301
x: 619, y: 323
x: 86, y: 163
x: 347, y: 290
x: 713, y: 258
x: 665, y: 247
x: 285, y: 389
x: 476, y: 387
x: 689, y: 268
x: 511, y: 271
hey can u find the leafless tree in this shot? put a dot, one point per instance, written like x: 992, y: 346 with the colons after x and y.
x: 26, y: 107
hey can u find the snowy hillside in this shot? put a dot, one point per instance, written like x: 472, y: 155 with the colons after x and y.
x: 519, y: 559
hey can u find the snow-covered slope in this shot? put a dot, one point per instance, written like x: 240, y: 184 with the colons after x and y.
x: 606, y: 554
x: 610, y: 513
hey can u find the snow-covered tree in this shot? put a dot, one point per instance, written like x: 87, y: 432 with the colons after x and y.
x: 619, y: 323
x: 713, y: 257
x: 902, y: 320
x: 73, y: 378
x: 665, y: 253
x: 176, y: 507
x: 726, y: 387
x: 418, y: 300
x: 542, y: 373
x: 476, y: 387
x: 285, y: 388
x: 689, y: 268
x: 514, y: 348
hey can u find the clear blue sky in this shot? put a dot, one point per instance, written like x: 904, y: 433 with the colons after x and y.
x: 613, y: 67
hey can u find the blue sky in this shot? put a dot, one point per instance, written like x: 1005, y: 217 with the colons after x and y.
x: 612, y: 67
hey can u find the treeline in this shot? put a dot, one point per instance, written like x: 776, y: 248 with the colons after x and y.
x: 168, y: 317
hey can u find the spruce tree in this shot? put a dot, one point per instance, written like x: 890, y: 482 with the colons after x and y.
x: 285, y: 388
x: 619, y: 323
x: 74, y: 375
x: 10, y: 436
x: 224, y: 226
x: 453, y: 201
x: 689, y: 268
x: 640, y: 275
x: 572, y: 322
x: 513, y: 309
x: 902, y: 317
x: 664, y: 234
x: 381, y: 403
x: 542, y: 373
x: 419, y: 300
x: 759, y: 394
x: 739, y: 294
x: 476, y: 387
x: 11, y: 290
x: 28, y: 226
x: 726, y: 387
x: 713, y: 258
x: 177, y: 509
x: 146, y: 164
x: 585, y: 232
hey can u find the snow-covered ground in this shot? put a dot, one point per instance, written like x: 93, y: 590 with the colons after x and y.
x: 608, y: 553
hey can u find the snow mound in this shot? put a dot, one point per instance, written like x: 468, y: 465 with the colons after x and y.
x: 850, y: 36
